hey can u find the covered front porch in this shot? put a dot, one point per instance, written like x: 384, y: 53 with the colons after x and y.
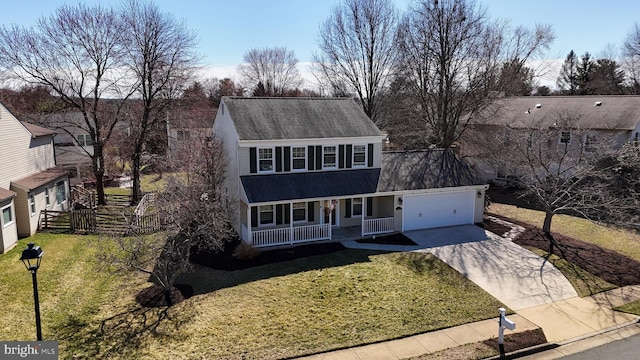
x: 295, y: 222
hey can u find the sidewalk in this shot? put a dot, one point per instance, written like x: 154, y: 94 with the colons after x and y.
x: 572, y: 322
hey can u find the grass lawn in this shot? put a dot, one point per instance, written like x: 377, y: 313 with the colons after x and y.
x: 272, y: 311
x: 619, y: 240
x: 631, y: 308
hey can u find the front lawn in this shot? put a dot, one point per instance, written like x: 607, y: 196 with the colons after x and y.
x: 280, y: 310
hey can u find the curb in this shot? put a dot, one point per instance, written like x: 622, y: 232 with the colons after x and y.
x: 526, y: 351
x: 550, y: 346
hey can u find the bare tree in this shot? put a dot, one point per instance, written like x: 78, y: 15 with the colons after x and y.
x: 270, y: 71
x: 559, y: 165
x: 160, y: 54
x: 453, y: 52
x: 194, y: 211
x: 357, y: 50
x: 76, y: 53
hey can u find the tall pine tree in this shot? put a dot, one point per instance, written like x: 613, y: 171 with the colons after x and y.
x: 568, y: 78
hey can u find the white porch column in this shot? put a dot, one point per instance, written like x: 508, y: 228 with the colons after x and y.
x: 364, y: 211
x: 249, y: 225
x: 291, y: 222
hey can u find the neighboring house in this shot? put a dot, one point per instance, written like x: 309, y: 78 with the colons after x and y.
x: 579, y: 119
x: 309, y: 169
x: 184, y: 129
x: 72, y: 141
x: 30, y: 181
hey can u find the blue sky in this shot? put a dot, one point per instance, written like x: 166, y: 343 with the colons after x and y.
x: 227, y: 29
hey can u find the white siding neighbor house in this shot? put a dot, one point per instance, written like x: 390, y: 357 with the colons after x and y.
x: 30, y: 181
x: 311, y: 169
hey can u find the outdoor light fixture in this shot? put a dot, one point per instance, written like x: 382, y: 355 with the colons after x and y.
x: 31, y: 257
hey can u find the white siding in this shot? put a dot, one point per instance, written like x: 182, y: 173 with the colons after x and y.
x: 224, y: 131
x: 8, y: 232
x: 26, y: 156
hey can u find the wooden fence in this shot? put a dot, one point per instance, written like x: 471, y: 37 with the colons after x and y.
x: 92, y: 221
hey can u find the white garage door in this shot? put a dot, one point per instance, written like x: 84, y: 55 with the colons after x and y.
x: 434, y: 210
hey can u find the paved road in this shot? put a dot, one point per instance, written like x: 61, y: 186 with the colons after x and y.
x: 625, y: 349
x: 515, y: 276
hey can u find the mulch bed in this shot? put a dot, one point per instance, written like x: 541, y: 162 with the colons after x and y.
x: 606, y: 264
x: 495, y: 228
x: 154, y: 295
x: 518, y: 341
x: 226, y: 261
x: 393, y: 239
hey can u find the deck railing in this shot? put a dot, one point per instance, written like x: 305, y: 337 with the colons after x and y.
x: 377, y: 226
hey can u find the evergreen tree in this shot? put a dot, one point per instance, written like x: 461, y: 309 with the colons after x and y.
x: 568, y: 78
x: 585, y: 69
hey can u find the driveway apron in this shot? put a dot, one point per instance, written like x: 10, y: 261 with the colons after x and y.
x: 514, y: 275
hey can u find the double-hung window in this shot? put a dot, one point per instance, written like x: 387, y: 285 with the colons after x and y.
x: 266, y: 215
x: 298, y: 158
x: 300, y: 212
x: 32, y: 204
x: 329, y: 157
x: 61, y: 192
x: 565, y: 137
x: 7, y: 216
x: 46, y: 196
x: 84, y: 140
x: 359, y: 156
x: 265, y: 160
x: 356, y: 207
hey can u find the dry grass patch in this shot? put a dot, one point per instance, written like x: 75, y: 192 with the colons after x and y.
x: 312, y: 305
x: 620, y: 240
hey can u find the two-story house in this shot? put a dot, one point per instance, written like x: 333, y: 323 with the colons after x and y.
x: 30, y: 181
x: 309, y: 169
x: 577, y: 121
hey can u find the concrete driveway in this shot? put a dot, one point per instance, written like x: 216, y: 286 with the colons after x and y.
x: 517, y: 277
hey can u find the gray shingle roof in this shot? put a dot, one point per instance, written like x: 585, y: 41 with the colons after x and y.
x: 613, y: 113
x: 280, y: 187
x: 423, y: 169
x: 298, y: 118
x: 37, y: 131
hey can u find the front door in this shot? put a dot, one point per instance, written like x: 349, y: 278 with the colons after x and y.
x: 331, y: 209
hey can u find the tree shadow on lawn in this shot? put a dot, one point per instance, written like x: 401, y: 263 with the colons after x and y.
x: 205, y: 279
x: 606, y: 264
x: 120, y: 333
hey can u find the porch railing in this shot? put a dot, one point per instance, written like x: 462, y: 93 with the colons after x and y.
x: 377, y: 226
x: 288, y: 235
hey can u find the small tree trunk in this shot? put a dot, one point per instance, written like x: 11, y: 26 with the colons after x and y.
x: 546, y: 228
x: 98, y: 172
x: 136, y: 192
x: 167, y: 296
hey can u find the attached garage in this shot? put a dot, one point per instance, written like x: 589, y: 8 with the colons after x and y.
x: 423, y: 211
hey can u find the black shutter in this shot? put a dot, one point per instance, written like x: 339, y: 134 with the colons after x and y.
x: 287, y: 158
x: 254, y: 216
x: 278, y: 158
x: 287, y: 213
x: 348, y: 208
x: 253, y: 160
x: 341, y: 157
x: 279, y: 216
x: 370, y: 156
x: 369, y: 206
x: 311, y: 158
x: 318, y: 157
x: 349, y: 156
x: 310, y: 211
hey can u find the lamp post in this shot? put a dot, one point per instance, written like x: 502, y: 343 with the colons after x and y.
x: 31, y: 257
